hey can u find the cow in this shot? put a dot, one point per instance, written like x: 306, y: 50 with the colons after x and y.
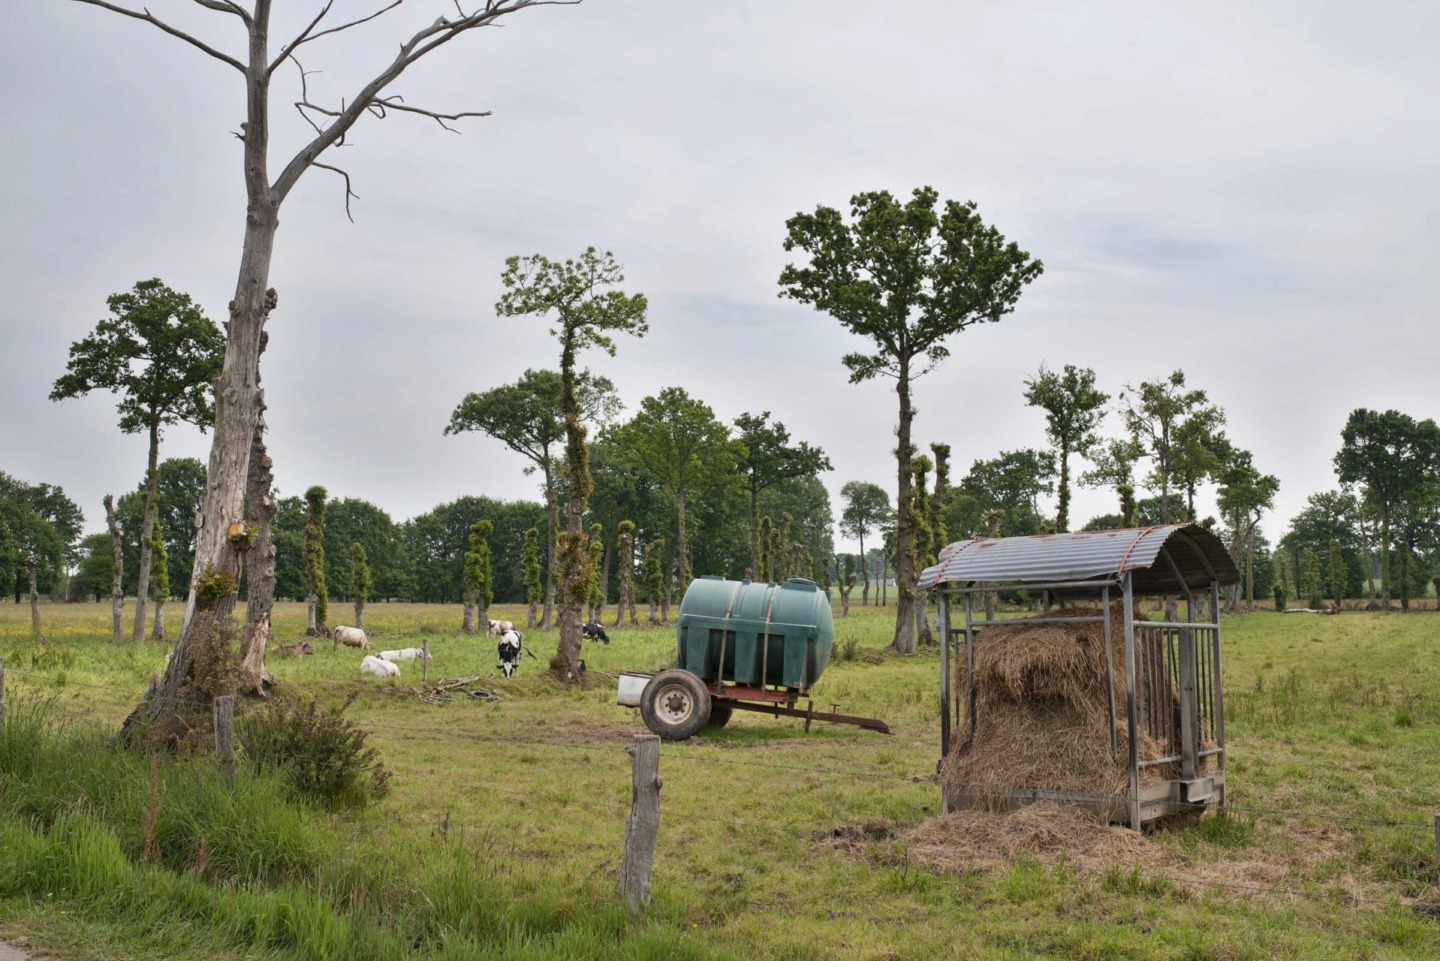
x: 497, y: 628
x: 351, y: 637
x: 594, y: 631
x: 373, y: 665
x: 404, y: 654
x: 509, y: 650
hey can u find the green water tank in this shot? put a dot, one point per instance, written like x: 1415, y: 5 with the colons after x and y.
x: 778, y: 635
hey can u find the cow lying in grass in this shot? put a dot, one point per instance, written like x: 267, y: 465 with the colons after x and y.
x: 373, y: 665
x: 404, y: 654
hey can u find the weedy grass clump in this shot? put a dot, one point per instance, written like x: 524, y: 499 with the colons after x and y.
x: 320, y: 754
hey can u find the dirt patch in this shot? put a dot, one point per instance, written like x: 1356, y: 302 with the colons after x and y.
x: 1271, y: 865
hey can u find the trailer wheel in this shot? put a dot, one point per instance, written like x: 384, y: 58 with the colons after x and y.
x: 675, y: 704
x: 719, y: 715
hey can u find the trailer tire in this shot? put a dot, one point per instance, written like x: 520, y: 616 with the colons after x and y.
x: 720, y: 714
x: 675, y: 704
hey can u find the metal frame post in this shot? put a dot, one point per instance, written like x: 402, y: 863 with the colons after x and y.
x: 1109, y: 672
x: 970, y: 695
x: 1189, y: 707
x: 1127, y: 587
x: 1219, y: 686
x: 944, y: 691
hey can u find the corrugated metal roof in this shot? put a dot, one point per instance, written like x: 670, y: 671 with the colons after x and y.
x: 1198, y: 556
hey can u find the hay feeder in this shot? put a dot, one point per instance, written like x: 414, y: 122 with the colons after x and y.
x: 1128, y: 714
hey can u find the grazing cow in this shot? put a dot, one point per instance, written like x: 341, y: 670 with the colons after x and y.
x: 373, y: 665
x: 594, y: 631
x: 404, y: 654
x: 351, y: 637
x: 497, y: 628
x: 509, y: 651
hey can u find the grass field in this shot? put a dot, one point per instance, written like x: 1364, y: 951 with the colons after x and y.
x: 778, y: 844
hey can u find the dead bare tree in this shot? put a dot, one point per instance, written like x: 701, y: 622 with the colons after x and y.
x: 223, y: 536
x: 117, y: 593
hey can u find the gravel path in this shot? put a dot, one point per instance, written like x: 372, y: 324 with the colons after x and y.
x: 9, y: 953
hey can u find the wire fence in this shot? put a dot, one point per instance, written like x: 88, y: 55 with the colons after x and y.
x: 893, y: 848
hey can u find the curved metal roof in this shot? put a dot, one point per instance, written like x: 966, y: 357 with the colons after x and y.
x: 1154, y: 555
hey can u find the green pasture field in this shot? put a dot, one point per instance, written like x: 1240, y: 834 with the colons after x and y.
x: 1326, y: 715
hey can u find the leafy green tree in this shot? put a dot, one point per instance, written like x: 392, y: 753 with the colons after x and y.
x: 1392, y: 456
x: 159, y: 352
x: 1012, y: 482
x: 1169, y: 423
x: 316, y: 597
x: 867, y: 508
x: 436, y: 543
x: 525, y: 416
x: 586, y: 314
x: 676, y: 440
x: 350, y: 520
x: 768, y: 459
x: 1244, y: 495
x: 1115, y: 462
x: 96, y: 566
x: 1331, y: 516
x: 32, y: 519
x: 479, y: 590
x: 530, y: 573
x: 1073, y: 411
x: 766, y: 570
x: 359, y: 581
x: 907, y: 276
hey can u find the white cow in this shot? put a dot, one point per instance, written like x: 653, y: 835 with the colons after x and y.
x: 351, y: 637
x: 373, y: 665
x: 404, y: 654
x: 497, y: 628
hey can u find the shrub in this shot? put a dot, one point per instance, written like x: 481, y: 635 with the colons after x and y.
x: 320, y: 754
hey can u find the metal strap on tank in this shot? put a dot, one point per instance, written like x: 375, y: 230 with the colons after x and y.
x: 725, y: 633
x: 765, y: 643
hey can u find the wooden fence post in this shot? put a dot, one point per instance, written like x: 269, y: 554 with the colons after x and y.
x: 425, y: 658
x: 1437, y: 817
x: 224, y: 710
x: 2, y: 699
x: 643, y: 825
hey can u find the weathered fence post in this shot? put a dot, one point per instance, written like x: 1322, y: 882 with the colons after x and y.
x: 643, y: 825
x: 224, y: 709
x: 1437, y: 817
x: 425, y: 658
x: 2, y: 709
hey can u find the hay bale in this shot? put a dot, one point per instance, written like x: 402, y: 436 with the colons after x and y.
x: 1043, y: 717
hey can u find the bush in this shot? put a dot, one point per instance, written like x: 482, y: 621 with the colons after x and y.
x: 320, y: 754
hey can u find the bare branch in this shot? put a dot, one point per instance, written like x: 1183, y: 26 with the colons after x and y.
x: 348, y: 192
x: 146, y: 16
x: 380, y: 105
x: 306, y: 36
x: 226, y: 6
x: 440, y: 32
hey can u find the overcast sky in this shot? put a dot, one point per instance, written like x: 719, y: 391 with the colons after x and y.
x: 1247, y: 191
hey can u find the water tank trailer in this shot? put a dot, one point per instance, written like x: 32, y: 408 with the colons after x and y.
x: 741, y: 645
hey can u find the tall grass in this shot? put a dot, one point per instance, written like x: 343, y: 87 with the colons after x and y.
x: 160, y: 841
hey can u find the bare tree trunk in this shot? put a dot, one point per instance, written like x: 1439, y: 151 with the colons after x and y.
x: 753, y: 571
x: 260, y: 579
x: 552, y: 521
x: 905, y: 593
x: 34, y: 596
x: 157, y: 632
x: 884, y: 579
x: 312, y: 628
x: 467, y: 623
x: 1385, y: 557
x: 147, y: 530
x: 604, y: 595
x: 359, y: 613
x: 1250, y: 565
x: 117, y: 593
x: 625, y: 562
x: 864, y: 576
x: 684, y: 560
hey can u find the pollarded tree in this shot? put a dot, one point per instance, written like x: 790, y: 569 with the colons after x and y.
x: 525, y: 417
x: 867, y: 508
x: 908, y: 277
x: 1244, y: 495
x: 1310, y: 583
x: 586, y: 312
x: 479, y: 589
x: 768, y: 459
x: 159, y: 352
x: 359, y: 581
x: 625, y: 555
x: 922, y: 546
x: 654, y: 571
x: 317, y: 598
x: 1391, y: 455
x: 239, y: 398
x: 1073, y: 411
x: 676, y: 440
x: 530, y: 575
x: 596, y: 549
x: 1337, y: 577
x: 159, y: 578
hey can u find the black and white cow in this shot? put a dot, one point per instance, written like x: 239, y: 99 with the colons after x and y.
x: 594, y: 631
x: 509, y: 650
